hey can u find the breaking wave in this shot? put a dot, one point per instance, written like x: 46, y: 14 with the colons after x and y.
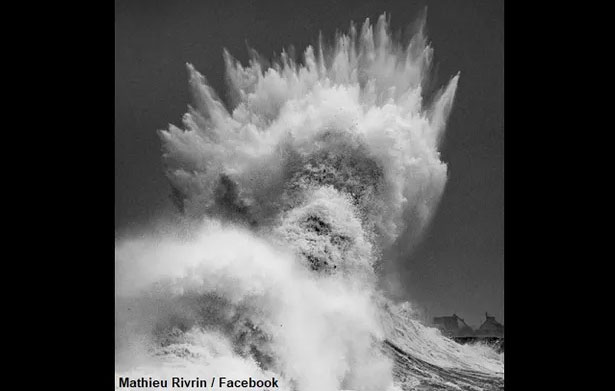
x: 290, y: 194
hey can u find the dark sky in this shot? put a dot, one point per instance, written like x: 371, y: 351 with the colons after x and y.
x: 459, y: 267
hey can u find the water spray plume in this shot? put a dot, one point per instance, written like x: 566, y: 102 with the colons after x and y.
x: 291, y: 192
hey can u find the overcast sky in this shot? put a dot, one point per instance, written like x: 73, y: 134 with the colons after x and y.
x: 459, y: 267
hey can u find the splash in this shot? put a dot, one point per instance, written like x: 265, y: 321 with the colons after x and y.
x: 290, y: 195
x: 351, y: 117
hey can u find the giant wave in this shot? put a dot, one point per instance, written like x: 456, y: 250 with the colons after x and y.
x: 290, y: 195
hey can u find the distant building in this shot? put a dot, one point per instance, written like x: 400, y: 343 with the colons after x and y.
x: 490, y: 332
x: 490, y: 328
x: 453, y: 326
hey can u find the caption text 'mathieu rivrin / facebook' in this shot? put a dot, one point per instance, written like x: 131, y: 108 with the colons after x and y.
x: 180, y: 382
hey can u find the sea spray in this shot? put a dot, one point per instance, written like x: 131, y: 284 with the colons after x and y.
x: 290, y: 195
x: 226, y: 292
x: 351, y: 116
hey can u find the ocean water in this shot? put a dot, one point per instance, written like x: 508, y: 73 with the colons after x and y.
x: 290, y: 194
